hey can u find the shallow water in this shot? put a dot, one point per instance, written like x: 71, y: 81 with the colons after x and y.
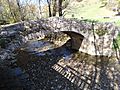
x: 38, y: 45
x: 43, y: 65
x: 47, y: 64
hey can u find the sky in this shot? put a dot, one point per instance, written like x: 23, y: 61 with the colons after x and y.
x: 34, y: 1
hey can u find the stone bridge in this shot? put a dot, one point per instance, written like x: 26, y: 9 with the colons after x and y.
x: 87, y: 36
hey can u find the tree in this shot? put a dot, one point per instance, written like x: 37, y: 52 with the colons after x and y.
x: 62, y: 4
x: 54, y: 7
x: 40, y: 11
x: 60, y: 7
x: 11, y: 10
x: 49, y: 7
x: 20, y: 10
x: 57, y: 6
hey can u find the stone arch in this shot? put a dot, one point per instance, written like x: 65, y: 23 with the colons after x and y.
x: 74, y: 28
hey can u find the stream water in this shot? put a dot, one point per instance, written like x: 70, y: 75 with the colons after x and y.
x: 43, y: 65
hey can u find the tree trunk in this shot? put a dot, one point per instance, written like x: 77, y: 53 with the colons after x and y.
x: 20, y: 12
x: 54, y: 7
x: 60, y: 7
x: 40, y: 11
x: 49, y: 7
x: 13, y: 16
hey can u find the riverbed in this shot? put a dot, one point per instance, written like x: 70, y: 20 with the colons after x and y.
x: 45, y: 65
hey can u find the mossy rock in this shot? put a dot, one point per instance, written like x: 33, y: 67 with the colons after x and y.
x: 101, y: 32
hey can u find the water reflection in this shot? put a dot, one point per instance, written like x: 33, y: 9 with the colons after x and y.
x: 38, y: 45
x: 59, y: 68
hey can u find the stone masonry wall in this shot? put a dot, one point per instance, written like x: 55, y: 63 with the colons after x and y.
x: 92, y: 43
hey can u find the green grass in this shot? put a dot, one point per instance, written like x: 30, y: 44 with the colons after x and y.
x: 117, y: 42
x: 118, y: 23
x: 91, y: 11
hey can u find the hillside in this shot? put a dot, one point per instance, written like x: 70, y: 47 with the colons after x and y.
x: 91, y: 9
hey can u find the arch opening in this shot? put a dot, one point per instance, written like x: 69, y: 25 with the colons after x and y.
x: 76, y: 39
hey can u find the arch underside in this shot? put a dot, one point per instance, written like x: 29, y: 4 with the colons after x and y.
x: 76, y: 39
